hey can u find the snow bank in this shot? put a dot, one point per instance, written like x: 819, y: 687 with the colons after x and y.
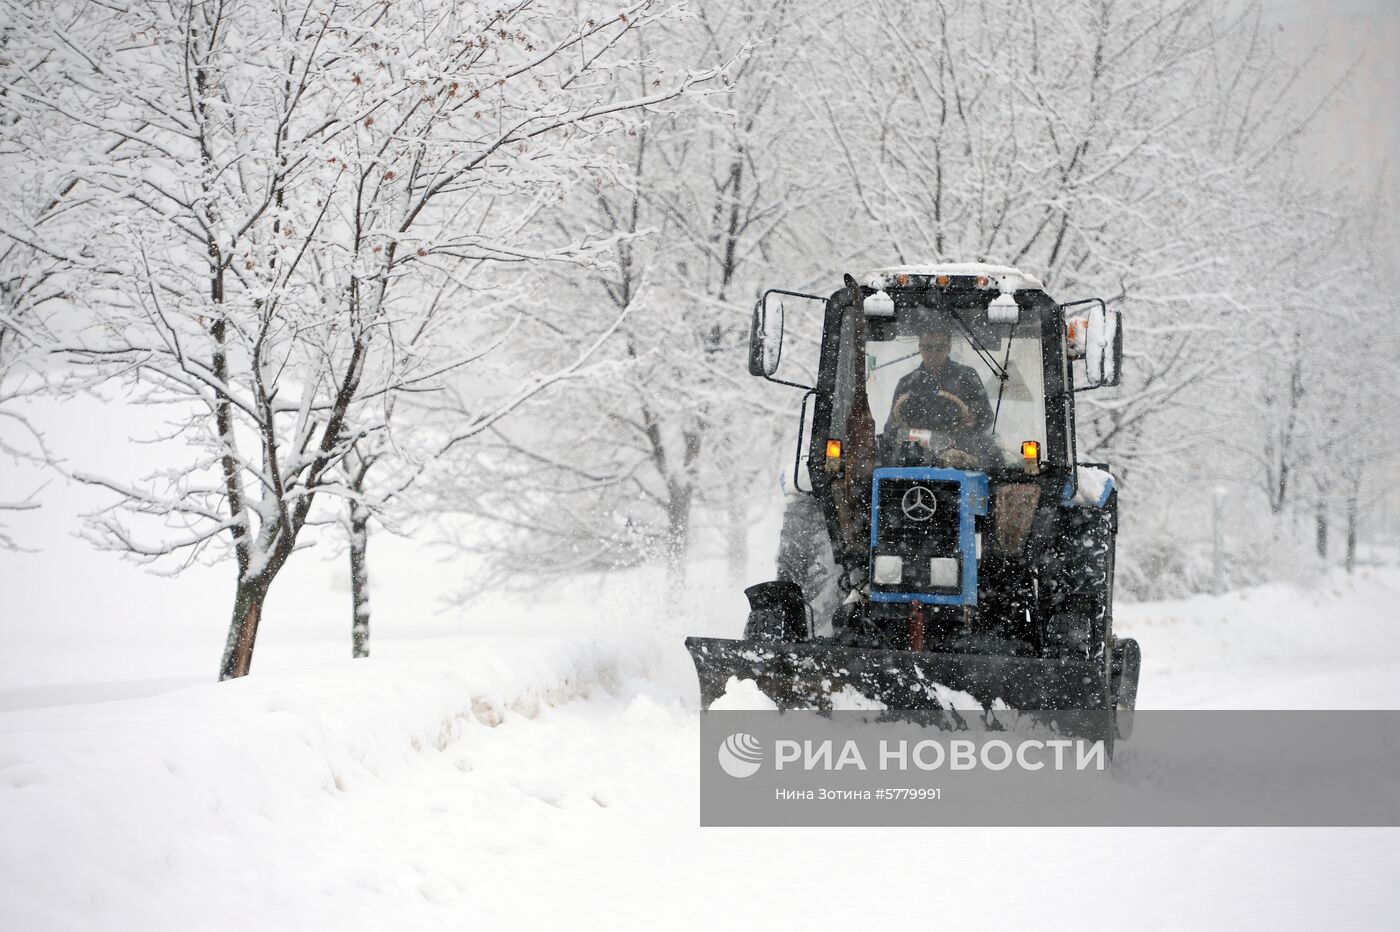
x: 1330, y: 645
x: 529, y: 782
x: 158, y: 810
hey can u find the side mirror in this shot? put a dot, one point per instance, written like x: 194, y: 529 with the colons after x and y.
x: 766, y: 338
x: 1103, y: 347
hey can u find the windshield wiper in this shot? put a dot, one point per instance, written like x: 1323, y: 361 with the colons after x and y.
x: 979, y: 348
x: 1004, y: 376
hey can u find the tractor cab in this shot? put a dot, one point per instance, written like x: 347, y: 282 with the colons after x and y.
x: 960, y: 375
x: 950, y: 381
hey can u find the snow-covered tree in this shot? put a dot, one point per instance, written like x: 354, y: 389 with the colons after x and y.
x: 1125, y: 149
x: 31, y: 281
x: 41, y: 274
x: 292, y: 181
x: 674, y: 438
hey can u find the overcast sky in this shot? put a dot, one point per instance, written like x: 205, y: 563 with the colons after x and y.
x: 1361, y: 130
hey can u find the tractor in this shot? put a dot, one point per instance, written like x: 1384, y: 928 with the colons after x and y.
x: 972, y: 551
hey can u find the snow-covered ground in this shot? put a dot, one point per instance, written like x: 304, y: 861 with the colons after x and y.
x: 540, y: 781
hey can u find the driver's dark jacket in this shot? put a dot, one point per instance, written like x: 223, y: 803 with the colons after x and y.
x: 954, y: 378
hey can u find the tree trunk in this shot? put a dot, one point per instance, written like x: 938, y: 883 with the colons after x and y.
x: 1355, y: 493
x: 1280, y: 490
x: 243, y: 627
x: 1322, y: 528
x: 677, y: 537
x: 359, y: 580
x: 1351, y: 537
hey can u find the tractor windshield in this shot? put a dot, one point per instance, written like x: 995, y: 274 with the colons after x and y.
x: 948, y: 388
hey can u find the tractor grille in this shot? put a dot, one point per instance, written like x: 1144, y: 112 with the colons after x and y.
x: 899, y: 534
x: 903, y: 534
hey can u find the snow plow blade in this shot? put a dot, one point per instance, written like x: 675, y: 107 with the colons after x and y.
x: 804, y: 676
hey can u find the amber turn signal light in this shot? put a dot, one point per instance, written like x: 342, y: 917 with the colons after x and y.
x: 1030, y: 450
x: 833, y: 457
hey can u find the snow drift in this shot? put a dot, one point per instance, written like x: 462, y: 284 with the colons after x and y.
x: 534, y: 782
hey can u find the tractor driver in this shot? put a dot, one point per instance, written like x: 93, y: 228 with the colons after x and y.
x: 946, y: 397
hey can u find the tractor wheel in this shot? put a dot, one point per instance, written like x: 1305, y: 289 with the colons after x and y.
x: 1080, y: 576
x: 805, y: 558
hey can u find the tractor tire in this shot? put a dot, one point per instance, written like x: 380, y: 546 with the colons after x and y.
x: 1079, y: 615
x: 805, y: 557
x: 1080, y: 576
